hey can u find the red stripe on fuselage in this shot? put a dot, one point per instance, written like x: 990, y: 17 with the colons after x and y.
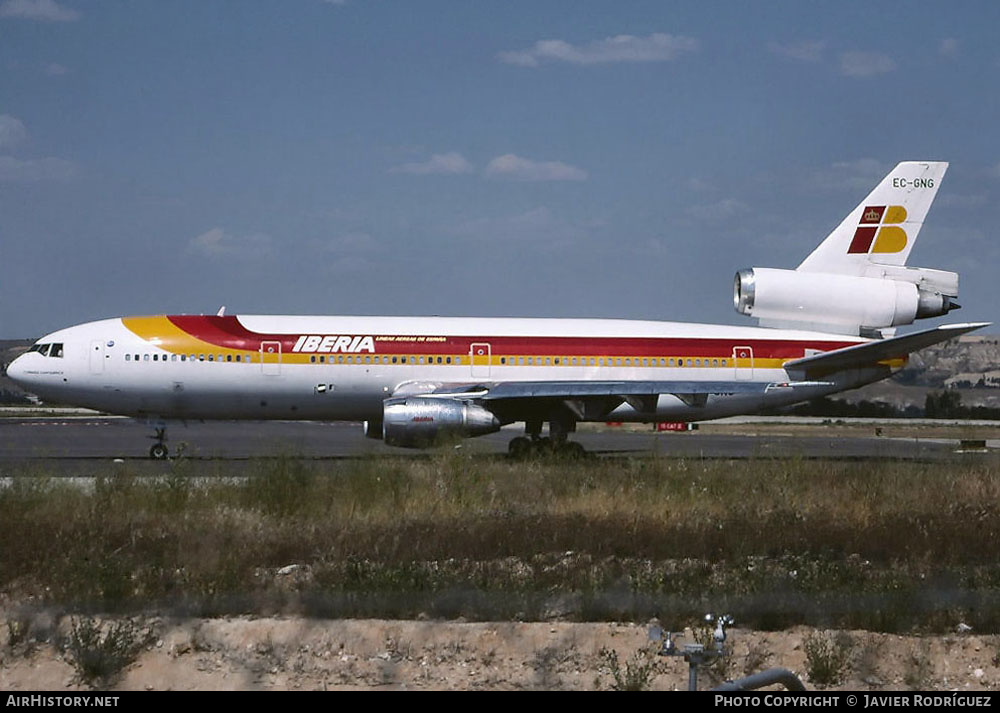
x: 227, y: 332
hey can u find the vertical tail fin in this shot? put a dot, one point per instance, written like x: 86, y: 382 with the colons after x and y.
x: 884, y: 226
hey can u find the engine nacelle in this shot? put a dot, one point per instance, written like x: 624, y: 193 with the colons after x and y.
x: 416, y: 422
x: 843, y: 302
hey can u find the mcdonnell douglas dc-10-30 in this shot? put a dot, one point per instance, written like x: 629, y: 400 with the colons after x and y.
x: 827, y: 326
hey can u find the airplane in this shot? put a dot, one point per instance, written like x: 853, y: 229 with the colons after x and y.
x: 827, y: 326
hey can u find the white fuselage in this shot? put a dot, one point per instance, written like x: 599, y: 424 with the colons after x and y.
x: 343, y: 368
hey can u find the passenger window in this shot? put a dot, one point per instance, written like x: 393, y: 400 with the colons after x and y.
x: 183, y: 357
x: 322, y: 360
x: 421, y: 360
x: 211, y: 357
x: 394, y: 360
x: 368, y: 360
x: 312, y: 359
x: 128, y: 357
x: 671, y: 361
x: 201, y: 357
x: 448, y: 360
x: 173, y: 357
x: 723, y: 362
x: 340, y: 359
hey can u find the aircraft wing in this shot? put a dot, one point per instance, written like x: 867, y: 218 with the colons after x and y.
x: 871, y: 353
x: 493, y: 391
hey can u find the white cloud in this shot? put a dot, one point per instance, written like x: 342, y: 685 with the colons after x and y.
x: 865, y: 64
x: 12, y: 132
x: 14, y: 170
x: 805, y: 51
x: 219, y: 243
x: 657, y: 47
x: 444, y: 163
x: 857, y: 175
x: 948, y: 47
x: 523, y: 169
x: 351, y: 243
x: 538, y: 227
x: 719, y: 211
x: 45, y: 10
x: 960, y: 200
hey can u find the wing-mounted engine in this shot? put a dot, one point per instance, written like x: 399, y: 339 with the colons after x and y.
x: 415, y: 422
x: 846, y: 304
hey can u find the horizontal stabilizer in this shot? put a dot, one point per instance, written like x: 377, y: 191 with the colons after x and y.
x: 871, y: 353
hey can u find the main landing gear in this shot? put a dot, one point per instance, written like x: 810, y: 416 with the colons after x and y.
x: 159, y: 451
x: 532, y: 444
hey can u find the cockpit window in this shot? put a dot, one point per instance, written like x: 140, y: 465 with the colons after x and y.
x: 48, y: 350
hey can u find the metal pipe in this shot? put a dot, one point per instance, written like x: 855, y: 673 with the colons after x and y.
x: 765, y: 678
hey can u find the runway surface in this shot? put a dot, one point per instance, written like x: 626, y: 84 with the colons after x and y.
x: 81, y: 446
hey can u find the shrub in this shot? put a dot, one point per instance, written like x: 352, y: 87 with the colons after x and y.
x: 99, y: 654
x: 828, y: 657
x: 640, y: 669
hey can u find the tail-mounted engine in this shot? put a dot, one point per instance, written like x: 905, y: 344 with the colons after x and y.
x: 844, y: 303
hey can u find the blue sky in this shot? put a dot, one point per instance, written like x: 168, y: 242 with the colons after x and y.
x: 569, y: 159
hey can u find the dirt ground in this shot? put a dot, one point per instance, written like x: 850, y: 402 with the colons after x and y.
x: 290, y: 653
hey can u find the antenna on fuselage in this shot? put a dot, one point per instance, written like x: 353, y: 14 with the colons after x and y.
x: 221, y: 312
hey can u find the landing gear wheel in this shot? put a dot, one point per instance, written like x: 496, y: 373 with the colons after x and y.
x: 158, y: 451
x: 572, y: 450
x: 519, y: 448
x: 543, y: 446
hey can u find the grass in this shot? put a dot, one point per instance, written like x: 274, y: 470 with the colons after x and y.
x: 885, y: 546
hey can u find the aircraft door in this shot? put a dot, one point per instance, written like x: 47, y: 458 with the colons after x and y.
x: 480, y: 356
x: 743, y: 361
x: 96, y: 357
x: 270, y: 358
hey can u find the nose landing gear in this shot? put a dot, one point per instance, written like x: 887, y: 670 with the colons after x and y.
x: 159, y: 451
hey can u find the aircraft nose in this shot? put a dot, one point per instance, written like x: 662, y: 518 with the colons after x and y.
x: 17, y: 372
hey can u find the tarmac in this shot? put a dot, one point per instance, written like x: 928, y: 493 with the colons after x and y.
x: 81, y: 444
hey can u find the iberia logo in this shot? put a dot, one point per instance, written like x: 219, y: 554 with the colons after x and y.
x: 879, y: 224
